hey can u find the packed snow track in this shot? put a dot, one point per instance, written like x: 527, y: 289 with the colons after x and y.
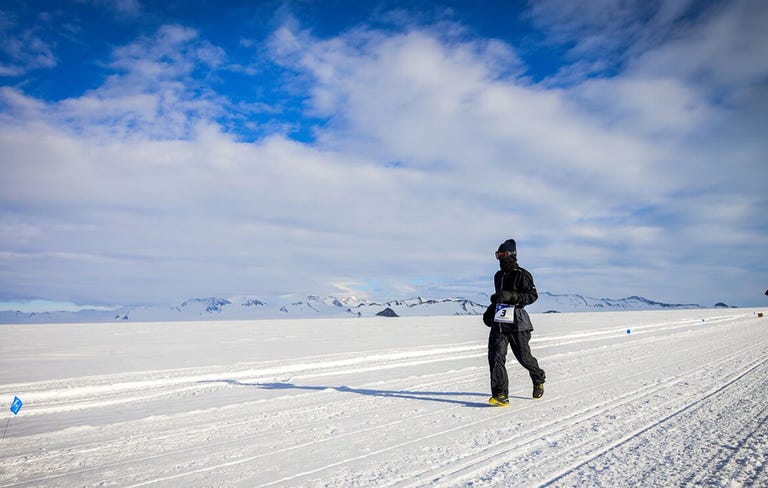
x: 672, y: 398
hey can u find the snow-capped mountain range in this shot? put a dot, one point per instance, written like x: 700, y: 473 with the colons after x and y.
x: 248, y: 308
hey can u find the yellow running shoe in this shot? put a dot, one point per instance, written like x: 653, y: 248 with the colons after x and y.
x: 499, y: 401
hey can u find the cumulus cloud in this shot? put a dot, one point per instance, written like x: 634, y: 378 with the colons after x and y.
x: 156, y: 90
x: 444, y: 109
x: 553, y: 160
x: 431, y: 148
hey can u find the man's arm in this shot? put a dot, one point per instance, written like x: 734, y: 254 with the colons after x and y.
x: 525, y: 294
x: 528, y: 293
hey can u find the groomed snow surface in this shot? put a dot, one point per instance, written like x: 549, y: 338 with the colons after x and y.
x: 679, y: 401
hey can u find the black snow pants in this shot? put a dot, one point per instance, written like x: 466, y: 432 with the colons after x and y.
x: 501, y: 337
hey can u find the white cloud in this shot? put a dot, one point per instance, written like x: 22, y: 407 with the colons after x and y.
x: 726, y: 51
x: 208, y: 208
x: 24, y: 48
x: 436, y: 148
x: 444, y: 109
x: 154, y: 91
x: 604, y: 34
x: 546, y: 161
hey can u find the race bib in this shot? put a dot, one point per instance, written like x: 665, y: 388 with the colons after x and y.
x: 505, y: 314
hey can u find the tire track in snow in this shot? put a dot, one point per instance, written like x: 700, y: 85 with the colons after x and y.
x: 671, y: 404
x: 476, y: 464
x: 639, y: 432
x: 753, y: 440
x: 97, y: 386
x: 447, y: 357
x: 290, y: 480
x: 71, y: 394
x: 601, y: 334
x: 723, y: 456
x: 207, y: 427
x: 273, y: 428
x: 68, y: 395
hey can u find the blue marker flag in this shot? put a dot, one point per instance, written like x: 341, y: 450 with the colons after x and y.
x: 16, y: 405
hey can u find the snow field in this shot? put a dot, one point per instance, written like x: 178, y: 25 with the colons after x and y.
x: 679, y: 401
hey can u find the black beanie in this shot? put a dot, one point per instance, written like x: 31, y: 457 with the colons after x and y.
x: 509, y: 245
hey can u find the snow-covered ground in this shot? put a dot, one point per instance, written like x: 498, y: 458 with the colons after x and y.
x: 679, y: 401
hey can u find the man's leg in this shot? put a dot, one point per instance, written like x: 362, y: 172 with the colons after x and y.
x: 522, y: 352
x: 497, y: 357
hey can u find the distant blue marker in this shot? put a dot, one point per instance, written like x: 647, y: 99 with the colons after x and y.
x: 16, y: 405
x: 629, y: 331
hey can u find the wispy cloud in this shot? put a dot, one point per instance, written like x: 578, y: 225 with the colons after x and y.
x: 121, y: 7
x: 22, y: 47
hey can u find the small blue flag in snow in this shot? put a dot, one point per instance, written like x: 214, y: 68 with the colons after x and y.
x: 629, y: 331
x: 16, y: 405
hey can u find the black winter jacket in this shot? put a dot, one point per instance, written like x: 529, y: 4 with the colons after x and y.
x: 513, y: 287
x: 520, y: 282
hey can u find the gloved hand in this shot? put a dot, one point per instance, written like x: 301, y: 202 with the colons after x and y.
x: 510, y: 297
x: 488, y: 315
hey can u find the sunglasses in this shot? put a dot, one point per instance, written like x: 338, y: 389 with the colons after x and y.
x: 504, y: 254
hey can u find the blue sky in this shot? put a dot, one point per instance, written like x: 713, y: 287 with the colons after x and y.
x: 151, y: 154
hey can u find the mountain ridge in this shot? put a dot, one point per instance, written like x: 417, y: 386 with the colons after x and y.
x: 254, y: 308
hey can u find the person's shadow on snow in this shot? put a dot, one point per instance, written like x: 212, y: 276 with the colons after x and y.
x: 431, y: 396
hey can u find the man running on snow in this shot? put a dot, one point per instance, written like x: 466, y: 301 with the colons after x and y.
x: 510, y: 324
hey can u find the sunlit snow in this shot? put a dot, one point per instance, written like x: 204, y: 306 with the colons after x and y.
x: 655, y: 398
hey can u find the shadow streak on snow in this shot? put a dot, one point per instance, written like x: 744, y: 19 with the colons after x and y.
x: 431, y: 396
